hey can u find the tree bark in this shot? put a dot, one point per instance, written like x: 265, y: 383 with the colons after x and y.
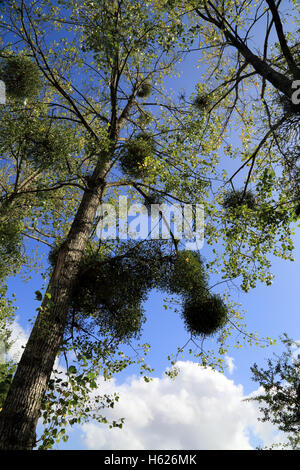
x: 20, y: 413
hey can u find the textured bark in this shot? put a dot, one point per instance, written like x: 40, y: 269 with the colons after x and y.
x: 20, y: 412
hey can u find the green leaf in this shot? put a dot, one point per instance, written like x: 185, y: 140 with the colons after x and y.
x: 38, y: 295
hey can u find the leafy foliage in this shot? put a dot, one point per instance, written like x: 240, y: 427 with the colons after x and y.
x: 144, y: 90
x: 47, y: 143
x: 152, y: 198
x: 21, y: 77
x: 71, y: 399
x: 134, y: 154
x: 297, y: 210
x: 7, y: 366
x: 185, y: 274
x: 201, y: 102
x: 93, y: 77
x: 236, y: 198
x: 6, y: 375
x: 11, y: 245
x: 110, y: 289
x: 280, y: 400
x: 204, y: 315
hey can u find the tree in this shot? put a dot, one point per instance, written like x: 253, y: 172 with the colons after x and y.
x: 270, y: 69
x: 280, y: 397
x: 98, y: 121
x: 274, y: 71
x: 254, y: 88
x: 65, y: 133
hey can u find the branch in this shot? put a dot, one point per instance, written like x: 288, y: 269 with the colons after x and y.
x: 295, y: 71
x: 278, y: 80
x: 258, y: 148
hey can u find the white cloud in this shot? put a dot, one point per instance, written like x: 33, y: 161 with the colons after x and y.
x: 229, y: 362
x: 19, y: 339
x: 200, y: 409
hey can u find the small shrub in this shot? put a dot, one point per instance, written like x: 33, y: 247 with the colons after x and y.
x: 236, y: 198
x: 134, y: 154
x: 144, y: 90
x: 185, y: 274
x: 47, y: 143
x: 111, y: 291
x: 21, y: 76
x: 201, y: 102
x: 153, y: 198
x: 297, y: 209
x: 144, y: 119
x: 205, y: 316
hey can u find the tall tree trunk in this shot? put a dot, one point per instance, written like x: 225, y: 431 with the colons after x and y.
x: 20, y: 413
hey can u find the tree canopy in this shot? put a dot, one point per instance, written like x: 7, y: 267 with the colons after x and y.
x: 89, y: 117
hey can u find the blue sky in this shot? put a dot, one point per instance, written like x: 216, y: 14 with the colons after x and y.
x: 270, y: 311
